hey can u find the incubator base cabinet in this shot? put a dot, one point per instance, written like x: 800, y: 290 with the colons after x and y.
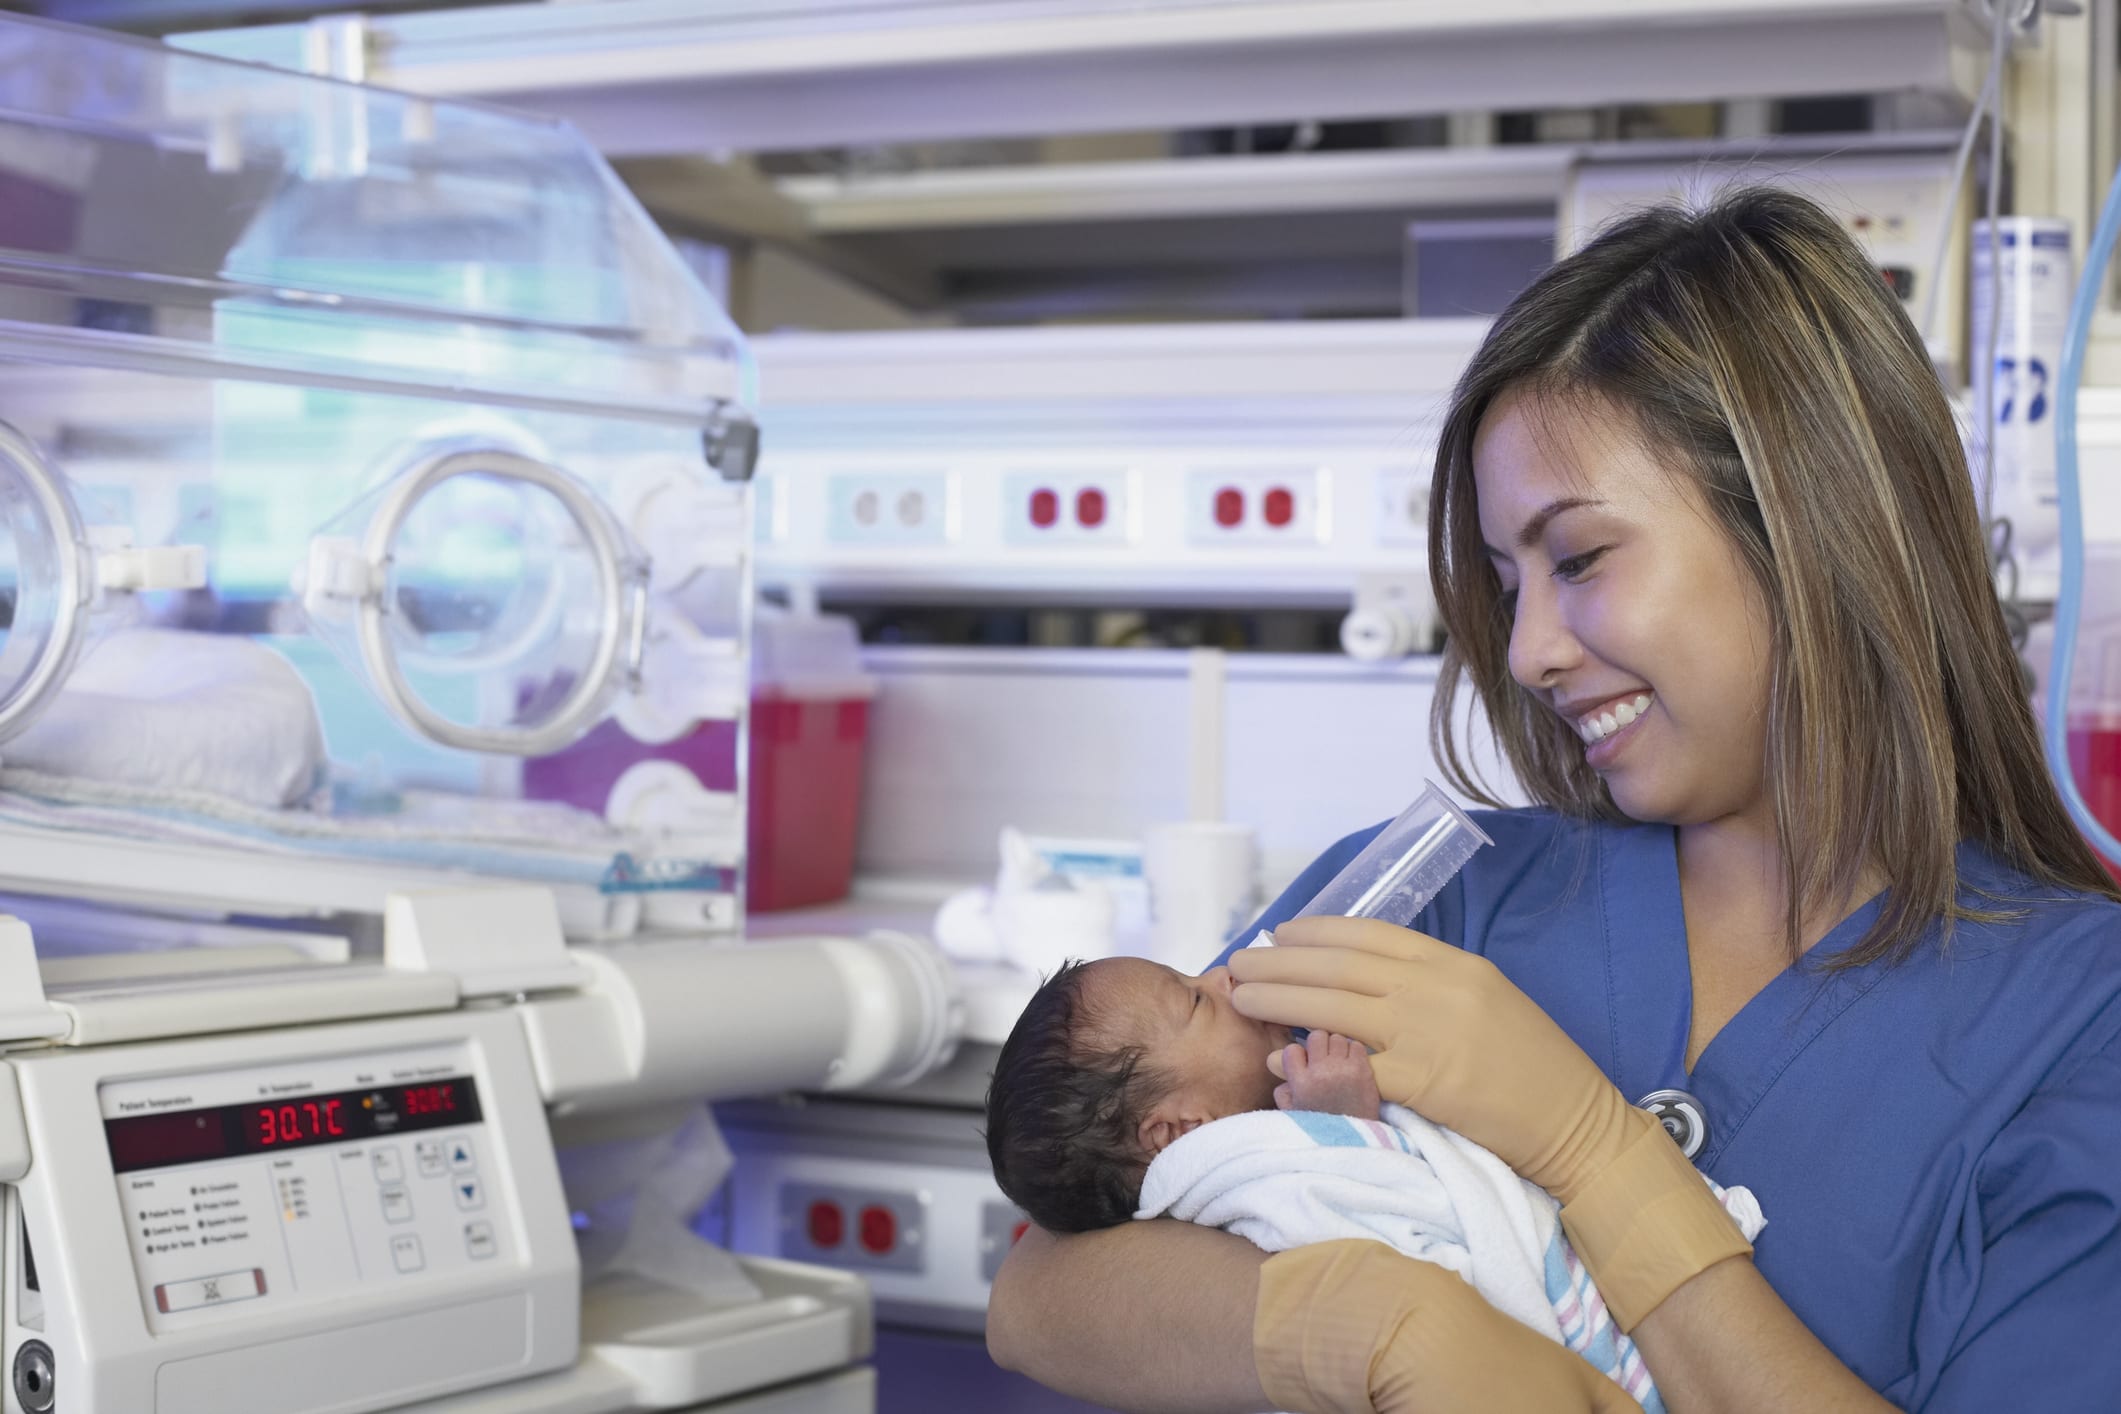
x: 356, y: 449
x: 361, y: 1208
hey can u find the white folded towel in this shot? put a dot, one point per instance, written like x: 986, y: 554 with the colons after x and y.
x: 164, y: 709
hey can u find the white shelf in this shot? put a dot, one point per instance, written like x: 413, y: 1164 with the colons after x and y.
x: 643, y: 77
x: 1206, y: 186
x: 1405, y: 179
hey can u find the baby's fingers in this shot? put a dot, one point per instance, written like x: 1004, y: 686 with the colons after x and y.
x: 1284, y: 1098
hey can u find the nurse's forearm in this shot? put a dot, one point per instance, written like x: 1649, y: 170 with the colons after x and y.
x: 1724, y: 1343
x: 1150, y: 1316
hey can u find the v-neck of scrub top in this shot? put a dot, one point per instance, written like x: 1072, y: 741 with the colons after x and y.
x: 1650, y: 991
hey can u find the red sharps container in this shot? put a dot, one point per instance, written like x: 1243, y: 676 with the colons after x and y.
x: 809, y: 727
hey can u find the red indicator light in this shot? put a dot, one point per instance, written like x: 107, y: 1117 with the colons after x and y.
x: 1016, y: 1234
x: 1090, y: 506
x: 1279, y: 508
x: 827, y: 1224
x: 1045, y: 509
x: 1229, y: 507
x: 879, y: 1230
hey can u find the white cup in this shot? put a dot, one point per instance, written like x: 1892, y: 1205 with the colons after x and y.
x: 1203, y: 885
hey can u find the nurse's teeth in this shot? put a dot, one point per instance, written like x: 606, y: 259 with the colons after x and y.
x: 1600, y: 725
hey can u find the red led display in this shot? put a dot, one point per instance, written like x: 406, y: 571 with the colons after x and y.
x: 430, y: 1099
x: 301, y: 1122
x: 224, y: 1131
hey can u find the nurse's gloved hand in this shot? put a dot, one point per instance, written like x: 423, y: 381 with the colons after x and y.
x: 1456, y: 1041
x: 1352, y: 1327
x: 1453, y: 1039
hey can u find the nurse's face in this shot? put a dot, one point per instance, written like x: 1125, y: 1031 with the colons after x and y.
x: 1635, y: 617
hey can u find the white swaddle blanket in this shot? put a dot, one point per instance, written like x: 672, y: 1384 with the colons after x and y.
x: 1285, y: 1179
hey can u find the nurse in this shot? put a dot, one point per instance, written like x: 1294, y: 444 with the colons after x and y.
x: 1707, y: 551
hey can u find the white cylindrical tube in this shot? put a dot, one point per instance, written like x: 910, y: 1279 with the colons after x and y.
x: 1207, y: 677
x: 2017, y: 391
x: 679, y: 1021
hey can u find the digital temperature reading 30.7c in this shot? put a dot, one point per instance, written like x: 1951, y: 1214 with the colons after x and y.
x: 195, y: 1136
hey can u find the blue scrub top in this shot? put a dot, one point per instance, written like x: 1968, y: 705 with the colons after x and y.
x: 1937, y: 1144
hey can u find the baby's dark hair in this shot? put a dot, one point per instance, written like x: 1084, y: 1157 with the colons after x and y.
x: 1062, y: 1113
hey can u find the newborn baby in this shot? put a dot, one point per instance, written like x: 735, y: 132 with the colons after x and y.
x: 1130, y: 1090
x: 1113, y: 1060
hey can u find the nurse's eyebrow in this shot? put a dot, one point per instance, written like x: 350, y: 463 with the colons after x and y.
x: 1529, y: 534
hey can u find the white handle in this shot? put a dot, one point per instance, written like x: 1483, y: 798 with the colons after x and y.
x: 151, y: 567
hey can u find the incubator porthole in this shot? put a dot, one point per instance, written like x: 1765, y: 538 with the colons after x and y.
x: 498, y: 602
x: 44, y: 581
x: 478, y: 571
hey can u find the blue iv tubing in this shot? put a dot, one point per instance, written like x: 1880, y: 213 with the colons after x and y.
x: 2069, y: 599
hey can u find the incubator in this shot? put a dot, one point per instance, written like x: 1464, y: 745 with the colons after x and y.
x: 357, y: 452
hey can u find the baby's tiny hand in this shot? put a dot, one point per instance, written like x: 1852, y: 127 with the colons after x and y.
x: 1329, y: 1073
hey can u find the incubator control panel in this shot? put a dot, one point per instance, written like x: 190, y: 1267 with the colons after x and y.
x: 272, y: 1185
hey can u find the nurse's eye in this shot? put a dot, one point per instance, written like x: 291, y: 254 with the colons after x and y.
x: 1574, y: 567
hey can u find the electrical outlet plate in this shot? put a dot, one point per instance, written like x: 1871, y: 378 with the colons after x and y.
x: 1000, y: 1225
x: 890, y: 508
x: 766, y: 518
x: 908, y: 1212
x: 1067, y: 508
x: 1403, y: 508
x: 1254, y: 506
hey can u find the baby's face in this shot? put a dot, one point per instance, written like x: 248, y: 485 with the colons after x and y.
x: 1187, y: 1028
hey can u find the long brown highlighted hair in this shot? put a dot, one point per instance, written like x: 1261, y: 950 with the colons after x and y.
x: 1755, y: 346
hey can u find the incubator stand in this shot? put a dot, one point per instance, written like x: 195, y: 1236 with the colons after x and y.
x: 355, y: 451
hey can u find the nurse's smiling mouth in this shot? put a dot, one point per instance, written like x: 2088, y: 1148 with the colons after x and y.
x: 1606, y: 723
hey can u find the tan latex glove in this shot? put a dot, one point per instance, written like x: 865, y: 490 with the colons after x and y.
x: 1456, y: 1041
x: 1452, y: 1039
x: 1352, y: 1327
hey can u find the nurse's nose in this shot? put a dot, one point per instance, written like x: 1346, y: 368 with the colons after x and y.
x: 1542, y: 647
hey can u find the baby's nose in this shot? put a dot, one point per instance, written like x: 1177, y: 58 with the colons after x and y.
x: 1218, y: 980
